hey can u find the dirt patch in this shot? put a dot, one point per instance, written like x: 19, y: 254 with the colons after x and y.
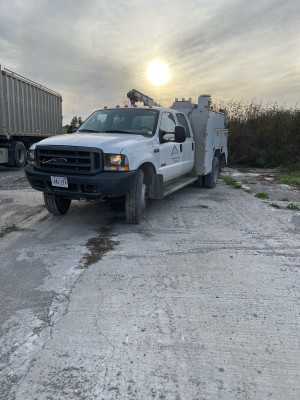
x: 98, y: 247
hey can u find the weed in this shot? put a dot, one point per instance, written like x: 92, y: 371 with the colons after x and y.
x: 284, y: 199
x: 290, y: 178
x: 230, y: 181
x: 262, y: 195
x: 293, y: 206
x: 8, y: 229
x: 263, y: 134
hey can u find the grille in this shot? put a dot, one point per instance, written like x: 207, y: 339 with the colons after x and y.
x: 67, y: 159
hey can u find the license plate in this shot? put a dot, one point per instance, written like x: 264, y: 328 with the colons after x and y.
x: 59, y: 181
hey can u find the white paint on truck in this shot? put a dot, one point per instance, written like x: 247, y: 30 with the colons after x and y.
x: 136, y: 152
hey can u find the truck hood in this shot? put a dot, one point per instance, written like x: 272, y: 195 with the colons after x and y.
x: 108, y: 142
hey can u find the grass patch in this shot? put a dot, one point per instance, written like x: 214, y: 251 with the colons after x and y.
x: 293, y: 206
x: 284, y: 199
x: 262, y: 195
x: 230, y: 181
x: 8, y: 229
x: 290, y: 178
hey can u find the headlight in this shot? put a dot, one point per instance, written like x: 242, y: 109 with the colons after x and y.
x: 31, y: 157
x: 115, y: 162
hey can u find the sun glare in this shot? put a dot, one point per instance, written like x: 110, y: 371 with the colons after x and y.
x: 158, y: 73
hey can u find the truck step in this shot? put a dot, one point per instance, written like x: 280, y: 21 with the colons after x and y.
x: 178, y: 184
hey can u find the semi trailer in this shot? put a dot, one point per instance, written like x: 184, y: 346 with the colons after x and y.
x: 29, y: 112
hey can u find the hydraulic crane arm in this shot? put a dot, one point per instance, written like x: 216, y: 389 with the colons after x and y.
x: 134, y: 96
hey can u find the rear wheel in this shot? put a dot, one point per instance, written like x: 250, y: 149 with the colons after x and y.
x: 19, y: 155
x: 56, y: 205
x: 200, y: 181
x: 211, y: 179
x: 222, y: 162
x: 135, y: 201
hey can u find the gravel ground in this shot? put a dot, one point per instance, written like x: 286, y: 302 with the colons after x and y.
x: 13, y: 179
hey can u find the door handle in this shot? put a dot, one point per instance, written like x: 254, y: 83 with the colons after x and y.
x: 181, y: 148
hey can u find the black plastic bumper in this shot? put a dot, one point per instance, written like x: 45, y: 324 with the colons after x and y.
x: 113, y: 184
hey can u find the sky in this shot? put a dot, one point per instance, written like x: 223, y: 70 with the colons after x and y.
x: 93, y: 52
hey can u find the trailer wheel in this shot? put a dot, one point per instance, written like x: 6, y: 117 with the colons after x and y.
x: 135, y: 201
x: 56, y: 205
x: 20, y: 155
x: 211, y: 179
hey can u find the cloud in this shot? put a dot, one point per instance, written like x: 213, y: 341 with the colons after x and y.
x: 100, y: 50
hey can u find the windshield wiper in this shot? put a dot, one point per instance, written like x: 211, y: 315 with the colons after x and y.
x: 116, y: 131
x: 87, y: 130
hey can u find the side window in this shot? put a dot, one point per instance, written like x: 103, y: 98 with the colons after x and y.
x: 167, y: 127
x: 182, y: 120
x: 167, y: 123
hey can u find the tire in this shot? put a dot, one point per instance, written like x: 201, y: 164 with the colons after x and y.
x: 135, y: 201
x: 222, y: 162
x: 20, y: 155
x: 211, y: 179
x: 200, y: 181
x: 56, y: 205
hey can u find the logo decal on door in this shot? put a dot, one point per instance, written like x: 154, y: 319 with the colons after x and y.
x: 174, y: 151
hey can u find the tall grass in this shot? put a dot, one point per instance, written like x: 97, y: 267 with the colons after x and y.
x: 264, y: 135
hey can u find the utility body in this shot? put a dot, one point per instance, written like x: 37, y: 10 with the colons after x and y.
x: 138, y: 152
x: 29, y: 112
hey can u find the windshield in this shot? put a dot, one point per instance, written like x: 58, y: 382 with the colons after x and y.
x: 136, y: 121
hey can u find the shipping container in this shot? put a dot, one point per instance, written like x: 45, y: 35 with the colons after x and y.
x: 29, y: 112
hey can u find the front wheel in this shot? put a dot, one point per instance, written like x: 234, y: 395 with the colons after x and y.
x: 56, y: 205
x: 135, y: 201
x: 211, y: 179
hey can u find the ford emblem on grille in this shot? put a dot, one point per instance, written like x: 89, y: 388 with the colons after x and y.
x: 54, y: 160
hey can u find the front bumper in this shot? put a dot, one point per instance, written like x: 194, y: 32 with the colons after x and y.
x: 114, y: 184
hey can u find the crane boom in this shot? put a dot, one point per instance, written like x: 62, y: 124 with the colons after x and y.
x: 134, y: 96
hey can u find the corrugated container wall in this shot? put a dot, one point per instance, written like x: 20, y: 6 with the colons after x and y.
x: 27, y: 107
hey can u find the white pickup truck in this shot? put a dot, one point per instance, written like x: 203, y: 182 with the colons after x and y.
x: 140, y: 153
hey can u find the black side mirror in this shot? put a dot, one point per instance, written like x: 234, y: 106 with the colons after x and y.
x: 180, y: 134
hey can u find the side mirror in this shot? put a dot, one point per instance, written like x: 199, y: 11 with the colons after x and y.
x: 70, y: 129
x: 180, y: 134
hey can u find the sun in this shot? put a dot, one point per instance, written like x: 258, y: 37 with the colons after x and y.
x: 158, y: 73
